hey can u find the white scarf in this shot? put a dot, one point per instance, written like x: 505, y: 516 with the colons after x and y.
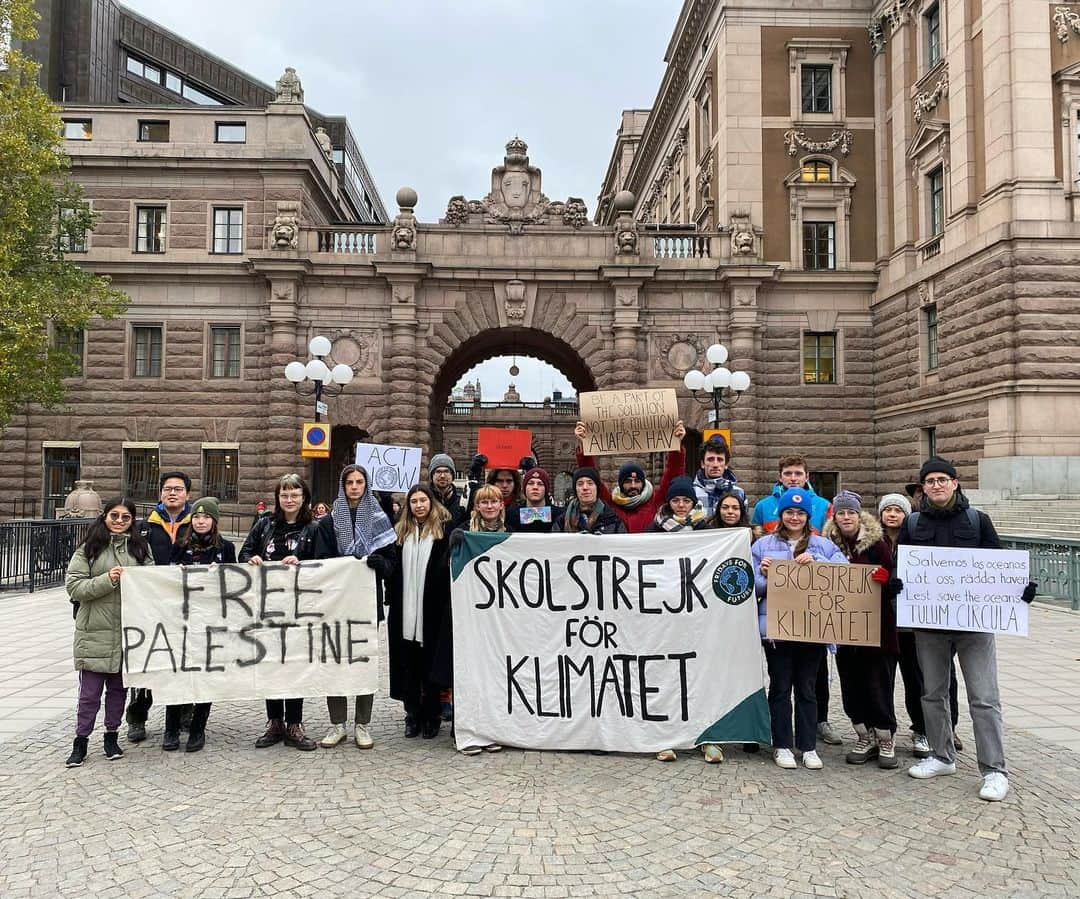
x: 415, y: 553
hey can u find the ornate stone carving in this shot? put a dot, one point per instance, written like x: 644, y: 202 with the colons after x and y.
x: 924, y: 292
x: 742, y: 236
x: 457, y: 211
x: 678, y: 353
x: 626, y: 240
x: 892, y: 16
x: 877, y: 37
x: 1066, y: 19
x: 576, y: 213
x: 288, y: 88
x: 403, y: 234
x: 515, y: 303
x: 357, y: 349
x: 926, y: 101
x: 324, y: 142
x: 285, y: 229
x: 840, y: 140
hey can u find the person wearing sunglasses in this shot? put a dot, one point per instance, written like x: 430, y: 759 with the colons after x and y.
x: 160, y: 530
x: 93, y: 585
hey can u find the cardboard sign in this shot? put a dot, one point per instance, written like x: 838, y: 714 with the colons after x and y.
x: 200, y: 633
x: 504, y: 447
x: 391, y: 468
x: 315, y: 440
x: 823, y: 603
x: 717, y: 432
x: 947, y: 588
x: 629, y: 422
x: 650, y: 643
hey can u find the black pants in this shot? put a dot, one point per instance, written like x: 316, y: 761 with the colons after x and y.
x: 913, y: 684
x: 421, y: 697
x: 292, y: 710
x: 139, y: 706
x: 793, y: 667
x: 821, y: 689
x: 867, y: 681
x: 173, y: 714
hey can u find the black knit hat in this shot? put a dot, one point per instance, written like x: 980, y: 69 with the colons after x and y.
x: 938, y: 464
x: 681, y: 486
x: 631, y: 468
x: 589, y: 472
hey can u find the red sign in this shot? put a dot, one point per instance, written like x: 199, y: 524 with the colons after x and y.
x: 504, y: 447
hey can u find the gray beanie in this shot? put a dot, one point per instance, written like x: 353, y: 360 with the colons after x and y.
x: 894, y: 499
x: 845, y: 499
x: 441, y: 460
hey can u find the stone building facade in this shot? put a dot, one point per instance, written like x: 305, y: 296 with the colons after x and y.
x: 903, y: 173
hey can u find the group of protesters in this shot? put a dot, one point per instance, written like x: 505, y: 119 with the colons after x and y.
x: 410, y: 558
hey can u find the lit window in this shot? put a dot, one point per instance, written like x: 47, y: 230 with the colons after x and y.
x: 819, y: 246
x: 221, y: 474
x: 228, y: 230
x: 230, y: 132
x: 153, y: 131
x: 816, y: 170
x: 146, y: 358
x: 817, y: 89
x: 931, y: 323
x: 819, y: 358
x: 935, y: 183
x: 150, y: 236
x: 78, y: 129
x: 225, y: 352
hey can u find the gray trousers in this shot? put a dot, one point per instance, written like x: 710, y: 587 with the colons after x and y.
x: 978, y: 661
x: 338, y: 707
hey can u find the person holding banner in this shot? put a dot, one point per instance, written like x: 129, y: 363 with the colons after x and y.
x: 714, y: 479
x: 287, y: 536
x: 93, y: 585
x: 535, y: 515
x: 200, y: 544
x: 356, y: 526
x: 793, y: 666
x: 946, y: 518
x: 634, y: 499
x: 418, y: 621
x: 586, y: 513
x: 867, y: 673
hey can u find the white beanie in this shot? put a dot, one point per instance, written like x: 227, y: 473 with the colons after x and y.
x: 894, y: 499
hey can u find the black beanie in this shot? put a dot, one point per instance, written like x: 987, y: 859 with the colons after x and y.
x: 587, y: 472
x: 628, y: 469
x: 937, y: 464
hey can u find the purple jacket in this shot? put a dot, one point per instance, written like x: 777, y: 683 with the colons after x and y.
x: 772, y: 546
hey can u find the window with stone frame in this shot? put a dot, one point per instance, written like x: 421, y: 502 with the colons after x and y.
x: 228, y: 230
x: 816, y: 88
x: 815, y: 171
x: 69, y: 237
x: 221, y: 473
x: 930, y: 329
x: 141, y: 473
x: 817, y: 72
x: 935, y: 198
x: 819, y: 357
x: 146, y: 351
x: 78, y: 129
x: 819, y: 246
x: 71, y: 342
x: 225, y: 351
x: 819, y: 195
x: 825, y: 483
x: 932, y: 35
x: 929, y: 442
x: 150, y: 223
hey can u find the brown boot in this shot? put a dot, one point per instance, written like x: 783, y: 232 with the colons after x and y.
x: 275, y: 733
x: 295, y: 737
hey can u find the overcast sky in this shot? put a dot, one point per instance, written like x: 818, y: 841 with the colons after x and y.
x: 433, y: 89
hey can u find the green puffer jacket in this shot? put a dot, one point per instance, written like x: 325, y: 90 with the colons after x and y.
x: 97, y: 624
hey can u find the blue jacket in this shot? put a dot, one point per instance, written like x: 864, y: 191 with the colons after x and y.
x: 767, y: 518
x: 772, y: 546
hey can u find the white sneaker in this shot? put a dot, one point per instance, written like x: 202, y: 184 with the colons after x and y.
x: 785, y: 758
x: 333, y: 736
x: 362, y: 738
x: 931, y: 767
x: 811, y: 760
x: 666, y: 755
x: 920, y: 746
x: 827, y: 734
x: 995, y: 787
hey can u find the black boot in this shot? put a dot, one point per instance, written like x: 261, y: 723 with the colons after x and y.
x: 186, y: 717
x: 412, y: 728
x: 170, y: 740
x: 431, y: 728
x: 197, y: 734
x: 112, y: 746
x: 78, y: 752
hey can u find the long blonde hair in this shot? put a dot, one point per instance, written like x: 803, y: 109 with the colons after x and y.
x: 435, y: 524
x: 488, y: 491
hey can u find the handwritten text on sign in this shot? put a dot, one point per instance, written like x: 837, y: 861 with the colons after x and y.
x: 202, y: 633
x: 391, y: 468
x: 823, y: 603
x: 963, y: 589
x: 626, y: 422
x: 633, y: 643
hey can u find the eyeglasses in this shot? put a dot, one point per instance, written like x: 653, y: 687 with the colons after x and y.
x: 119, y: 516
x: 173, y: 489
x: 937, y: 482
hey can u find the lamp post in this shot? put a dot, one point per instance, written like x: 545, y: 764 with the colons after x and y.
x: 325, y: 381
x: 719, y: 387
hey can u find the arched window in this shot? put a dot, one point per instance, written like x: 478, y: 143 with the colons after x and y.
x: 815, y: 171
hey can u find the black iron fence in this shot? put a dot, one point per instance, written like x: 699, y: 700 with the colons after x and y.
x: 35, y: 554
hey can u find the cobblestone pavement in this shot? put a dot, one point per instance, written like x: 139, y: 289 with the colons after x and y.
x: 412, y: 817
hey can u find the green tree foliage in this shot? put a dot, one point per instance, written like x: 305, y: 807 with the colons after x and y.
x: 41, y: 213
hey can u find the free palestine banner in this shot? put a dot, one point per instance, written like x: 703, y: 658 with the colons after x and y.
x: 630, y: 643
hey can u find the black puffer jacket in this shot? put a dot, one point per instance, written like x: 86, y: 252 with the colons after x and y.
x: 959, y: 525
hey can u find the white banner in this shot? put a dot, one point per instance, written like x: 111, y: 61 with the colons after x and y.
x: 632, y: 643
x: 947, y: 588
x: 391, y: 468
x: 202, y: 633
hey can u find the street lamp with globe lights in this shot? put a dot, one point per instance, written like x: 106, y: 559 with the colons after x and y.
x: 719, y: 387
x: 325, y: 381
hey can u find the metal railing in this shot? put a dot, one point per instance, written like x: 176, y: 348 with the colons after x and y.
x: 35, y: 554
x: 22, y: 507
x: 228, y: 522
x: 1055, y: 565
x: 464, y: 409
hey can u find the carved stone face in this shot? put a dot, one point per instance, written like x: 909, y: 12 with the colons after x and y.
x: 515, y: 189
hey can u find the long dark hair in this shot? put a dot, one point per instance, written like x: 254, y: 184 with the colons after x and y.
x: 212, y: 537
x: 98, y: 534
x: 292, y: 481
x: 744, y: 519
